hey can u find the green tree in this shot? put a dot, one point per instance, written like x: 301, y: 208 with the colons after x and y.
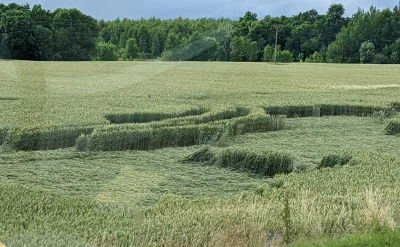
x: 284, y: 57
x: 238, y: 49
x: 314, y: 58
x: 332, y: 23
x: 155, y: 46
x: 243, y: 50
x: 268, y: 54
x: 252, y: 51
x: 205, y: 49
x: 380, y: 59
x: 367, y: 52
x: 395, y: 52
x: 132, y: 49
x: 105, y: 52
x: 75, y: 35
x: 18, y: 34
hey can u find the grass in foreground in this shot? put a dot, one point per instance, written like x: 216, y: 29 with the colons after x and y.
x: 328, y: 203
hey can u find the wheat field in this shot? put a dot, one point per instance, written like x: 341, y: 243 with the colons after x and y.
x: 197, y: 153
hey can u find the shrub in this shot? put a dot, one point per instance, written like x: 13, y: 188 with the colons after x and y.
x: 266, y: 163
x: 315, y: 58
x: 105, y: 52
x: 393, y: 127
x: 285, y: 57
x: 332, y: 160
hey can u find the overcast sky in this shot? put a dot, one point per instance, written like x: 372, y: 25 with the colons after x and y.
x: 166, y: 9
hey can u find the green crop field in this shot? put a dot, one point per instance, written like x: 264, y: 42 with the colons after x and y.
x: 198, y: 154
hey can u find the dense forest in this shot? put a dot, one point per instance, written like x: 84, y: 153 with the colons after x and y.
x: 369, y: 36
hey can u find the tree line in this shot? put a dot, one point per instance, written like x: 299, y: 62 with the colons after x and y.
x: 369, y: 36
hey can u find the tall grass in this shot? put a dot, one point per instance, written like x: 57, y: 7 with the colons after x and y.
x: 255, y: 124
x: 326, y: 110
x: 332, y: 160
x: 393, y: 127
x: 3, y: 134
x: 143, y: 136
x: 45, y: 219
x: 148, y: 138
x: 204, y: 155
x: 45, y: 138
x: 396, y: 106
x: 267, y: 163
x: 146, y: 117
x: 151, y: 137
x: 323, y: 204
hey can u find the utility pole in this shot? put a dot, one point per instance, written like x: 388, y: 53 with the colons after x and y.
x: 276, y: 42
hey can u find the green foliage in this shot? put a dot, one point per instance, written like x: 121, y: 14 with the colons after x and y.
x: 132, y: 49
x: 284, y: 56
x: 105, y: 52
x: 75, y: 36
x: 198, y: 49
x: 393, y: 127
x: 367, y: 52
x: 334, y: 53
x: 333, y: 160
x: 155, y: 46
x: 243, y: 50
x: 266, y: 163
x: 315, y: 58
x: 380, y: 59
x: 374, y: 25
x: 37, y: 34
x: 268, y: 54
x: 395, y: 52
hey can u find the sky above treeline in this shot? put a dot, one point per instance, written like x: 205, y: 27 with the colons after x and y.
x: 166, y: 9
